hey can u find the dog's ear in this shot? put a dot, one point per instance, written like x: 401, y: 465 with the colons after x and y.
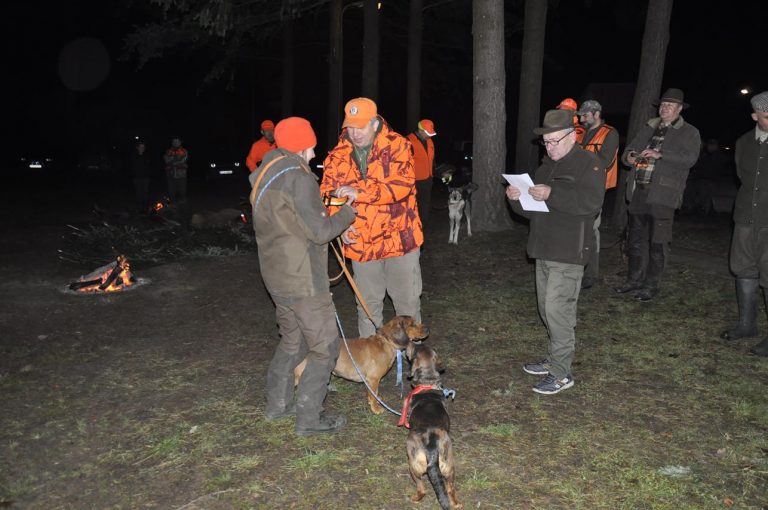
x: 439, y: 364
x: 410, y: 349
x: 399, y: 333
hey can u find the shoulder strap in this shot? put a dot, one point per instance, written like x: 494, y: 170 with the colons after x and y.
x: 261, y: 175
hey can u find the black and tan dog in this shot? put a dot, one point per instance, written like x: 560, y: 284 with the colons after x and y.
x: 375, y: 355
x: 429, y: 446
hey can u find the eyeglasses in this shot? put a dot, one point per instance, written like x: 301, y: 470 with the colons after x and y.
x: 552, y: 143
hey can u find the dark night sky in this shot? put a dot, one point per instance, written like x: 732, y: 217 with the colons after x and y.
x: 712, y: 54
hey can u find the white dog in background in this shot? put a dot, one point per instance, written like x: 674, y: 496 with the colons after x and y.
x: 460, y: 205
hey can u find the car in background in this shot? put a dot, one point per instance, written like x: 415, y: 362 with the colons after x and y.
x: 223, y: 166
x: 99, y: 159
x: 31, y: 162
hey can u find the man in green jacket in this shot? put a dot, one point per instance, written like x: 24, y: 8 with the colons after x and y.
x: 661, y: 155
x: 571, y: 182
x: 293, y: 229
x: 749, y: 246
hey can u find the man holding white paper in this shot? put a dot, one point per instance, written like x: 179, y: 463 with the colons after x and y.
x: 571, y: 182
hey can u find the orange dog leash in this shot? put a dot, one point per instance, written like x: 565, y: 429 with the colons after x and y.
x: 353, y: 285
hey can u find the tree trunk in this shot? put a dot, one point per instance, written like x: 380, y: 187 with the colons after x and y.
x: 529, y: 111
x: 413, y: 88
x: 334, y: 74
x: 288, y: 68
x: 489, y: 123
x: 371, y: 49
x: 650, y: 74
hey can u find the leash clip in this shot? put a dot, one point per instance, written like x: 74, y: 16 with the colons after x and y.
x: 449, y: 393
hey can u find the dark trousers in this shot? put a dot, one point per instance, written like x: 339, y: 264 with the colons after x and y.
x: 307, y: 329
x: 141, y: 185
x: 424, y: 199
x: 647, y: 248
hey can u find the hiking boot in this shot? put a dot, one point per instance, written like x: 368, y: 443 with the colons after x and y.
x: 537, y: 368
x: 327, y: 423
x: 629, y: 286
x: 760, y: 349
x: 551, y: 385
x: 279, y: 415
x: 646, y: 294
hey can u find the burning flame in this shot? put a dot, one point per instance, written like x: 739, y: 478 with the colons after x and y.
x: 158, y: 206
x: 110, y: 278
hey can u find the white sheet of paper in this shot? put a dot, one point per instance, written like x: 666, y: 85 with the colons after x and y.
x: 523, y: 182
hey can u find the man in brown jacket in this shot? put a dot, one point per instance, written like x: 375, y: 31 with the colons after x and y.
x: 293, y: 229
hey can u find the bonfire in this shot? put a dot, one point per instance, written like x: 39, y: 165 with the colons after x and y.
x: 110, y: 278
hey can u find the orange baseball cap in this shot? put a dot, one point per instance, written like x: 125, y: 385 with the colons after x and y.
x: 568, y: 104
x: 358, y: 112
x: 427, y: 126
x: 267, y: 125
x: 295, y: 134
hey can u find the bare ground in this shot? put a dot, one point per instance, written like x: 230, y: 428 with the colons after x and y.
x: 153, y: 398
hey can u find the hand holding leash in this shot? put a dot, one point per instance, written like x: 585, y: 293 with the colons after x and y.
x: 348, y: 235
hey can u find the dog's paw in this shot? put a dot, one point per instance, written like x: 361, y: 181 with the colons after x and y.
x: 417, y: 497
x: 377, y: 409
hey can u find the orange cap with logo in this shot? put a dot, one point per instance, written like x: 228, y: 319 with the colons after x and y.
x: 427, y: 126
x: 267, y: 125
x: 358, y: 112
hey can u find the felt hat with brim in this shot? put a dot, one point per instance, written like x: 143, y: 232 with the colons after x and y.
x: 672, y: 96
x: 555, y: 120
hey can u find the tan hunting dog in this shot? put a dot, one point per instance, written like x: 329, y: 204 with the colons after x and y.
x: 375, y: 355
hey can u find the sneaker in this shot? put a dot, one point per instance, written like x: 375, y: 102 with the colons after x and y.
x: 537, y: 368
x: 551, y: 385
x: 326, y: 424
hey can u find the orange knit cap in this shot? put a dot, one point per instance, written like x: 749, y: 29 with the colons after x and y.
x: 267, y: 125
x: 358, y: 112
x: 295, y: 134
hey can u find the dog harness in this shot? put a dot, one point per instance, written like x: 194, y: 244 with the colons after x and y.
x: 421, y: 388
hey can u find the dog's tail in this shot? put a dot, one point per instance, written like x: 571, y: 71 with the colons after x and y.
x: 433, y: 471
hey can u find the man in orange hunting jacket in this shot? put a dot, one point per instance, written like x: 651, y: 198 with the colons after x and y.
x: 261, y: 146
x: 376, y: 164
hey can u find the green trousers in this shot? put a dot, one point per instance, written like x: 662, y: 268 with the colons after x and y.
x: 557, y: 291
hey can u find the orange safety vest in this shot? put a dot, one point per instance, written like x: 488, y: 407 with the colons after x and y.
x: 423, y: 159
x: 595, y: 145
